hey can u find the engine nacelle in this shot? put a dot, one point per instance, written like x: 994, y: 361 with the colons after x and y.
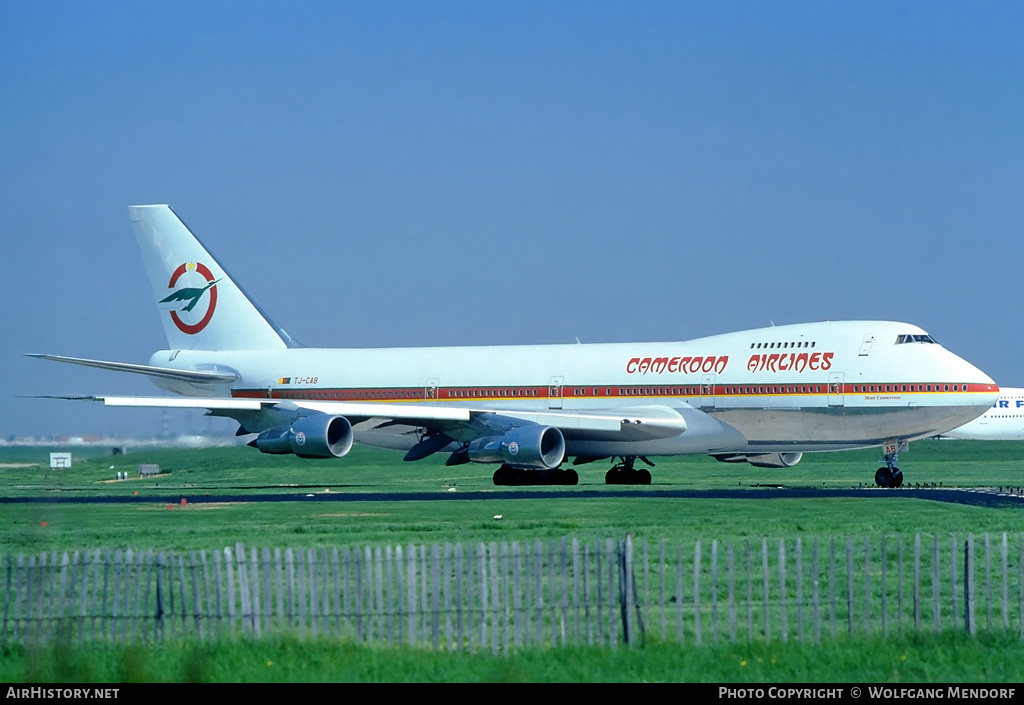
x: 533, y: 446
x: 763, y: 460
x: 316, y: 436
x: 775, y: 460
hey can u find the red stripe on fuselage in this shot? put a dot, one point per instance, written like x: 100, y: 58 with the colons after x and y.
x: 493, y: 393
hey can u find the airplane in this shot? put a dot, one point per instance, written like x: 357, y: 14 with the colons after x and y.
x: 762, y: 396
x: 1003, y: 422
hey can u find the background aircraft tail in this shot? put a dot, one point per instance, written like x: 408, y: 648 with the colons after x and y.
x: 201, y: 308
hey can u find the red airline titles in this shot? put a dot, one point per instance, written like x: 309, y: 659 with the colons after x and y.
x: 684, y: 365
x: 777, y: 362
x: 774, y: 362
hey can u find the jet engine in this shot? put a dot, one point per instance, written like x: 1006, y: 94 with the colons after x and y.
x: 533, y: 446
x: 763, y: 460
x: 774, y: 460
x: 316, y: 436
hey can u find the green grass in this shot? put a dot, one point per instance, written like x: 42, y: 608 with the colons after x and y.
x: 218, y: 471
x: 949, y: 463
x: 947, y: 657
x: 922, y: 658
x: 202, y: 526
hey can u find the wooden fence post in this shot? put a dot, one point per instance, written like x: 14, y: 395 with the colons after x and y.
x: 988, y: 583
x: 613, y: 632
x: 714, y: 590
x: 696, y: 593
x: 446, y: 573
x: 815, y: 585
x: 799, y: 568
x: 626, y: 587
x: 410, y: 584
x: 159, y: 623
x: 576, y: 606
x: 680, y: 603
x: 936, y: 597
x: 953, y: 570
x: 496, y: 595
x: 1004, y: 549
x: 379, y: 594
x: 766, y: 603
x: 832, y: 587
x: 750, y: 591
x: 731, y: 555
x: 783, y: 626
x: 849, y: 585
x: 969, y: 585
x: 867, y: 585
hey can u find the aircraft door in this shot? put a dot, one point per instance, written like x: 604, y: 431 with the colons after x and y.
x: 555, y: 392
x: 430, y: 389
x: 865, y: 345
x: 835, y: 388
x: 707, y: 392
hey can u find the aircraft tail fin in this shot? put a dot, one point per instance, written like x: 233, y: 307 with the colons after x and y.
x: 201, y: 308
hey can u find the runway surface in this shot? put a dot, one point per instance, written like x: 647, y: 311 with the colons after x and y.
x: 980, y: 497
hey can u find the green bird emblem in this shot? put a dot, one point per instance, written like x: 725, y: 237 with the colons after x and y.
x: 192, y: 294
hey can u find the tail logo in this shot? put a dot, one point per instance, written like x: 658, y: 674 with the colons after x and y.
x: 190, y: 296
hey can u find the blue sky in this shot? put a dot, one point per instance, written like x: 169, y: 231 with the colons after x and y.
x: 411, y: 173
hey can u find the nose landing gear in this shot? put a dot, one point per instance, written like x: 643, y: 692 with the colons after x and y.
x: 889, y: 475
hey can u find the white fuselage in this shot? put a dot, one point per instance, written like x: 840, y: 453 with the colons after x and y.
x: 1004, y: 421
x: 804, y: 387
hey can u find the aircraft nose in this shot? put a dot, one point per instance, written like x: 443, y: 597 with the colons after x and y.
x: 984, y: 392
x: 984, y: 400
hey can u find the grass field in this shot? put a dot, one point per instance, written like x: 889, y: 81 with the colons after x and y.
x: 31, y: 527
x: 950, y: 463
x: 219, y: 471
x: 920, y: 659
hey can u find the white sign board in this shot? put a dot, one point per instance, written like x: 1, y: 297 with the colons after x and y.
x: 60, y: 461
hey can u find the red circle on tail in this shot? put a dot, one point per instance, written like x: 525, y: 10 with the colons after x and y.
x: 208, y: 275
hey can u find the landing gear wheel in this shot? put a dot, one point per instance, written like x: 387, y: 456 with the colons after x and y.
x: 883, y: 477
x: 517, y: 477
x: 889, y: 475
x: 625, y: 474
x: 504, y: 476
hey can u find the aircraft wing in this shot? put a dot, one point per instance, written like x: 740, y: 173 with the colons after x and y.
x: 352, y: 410
x: 627, y: 424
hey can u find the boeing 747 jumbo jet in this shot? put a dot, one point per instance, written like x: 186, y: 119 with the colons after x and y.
x: 760, y: 396
x: 1003, y: 422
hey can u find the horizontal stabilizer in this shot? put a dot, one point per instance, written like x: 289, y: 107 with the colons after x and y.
x: 148, y: 370
x: 186, y: 403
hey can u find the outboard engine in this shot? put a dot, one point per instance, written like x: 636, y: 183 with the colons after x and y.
x: 316, y: 436
x: 533, y: 446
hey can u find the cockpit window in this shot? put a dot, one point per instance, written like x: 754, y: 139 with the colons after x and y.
x: 911, y: 338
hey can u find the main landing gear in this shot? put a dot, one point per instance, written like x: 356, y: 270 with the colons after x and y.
x: 890, y: 474
x: 624, y: 473
x: 510, y: 476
